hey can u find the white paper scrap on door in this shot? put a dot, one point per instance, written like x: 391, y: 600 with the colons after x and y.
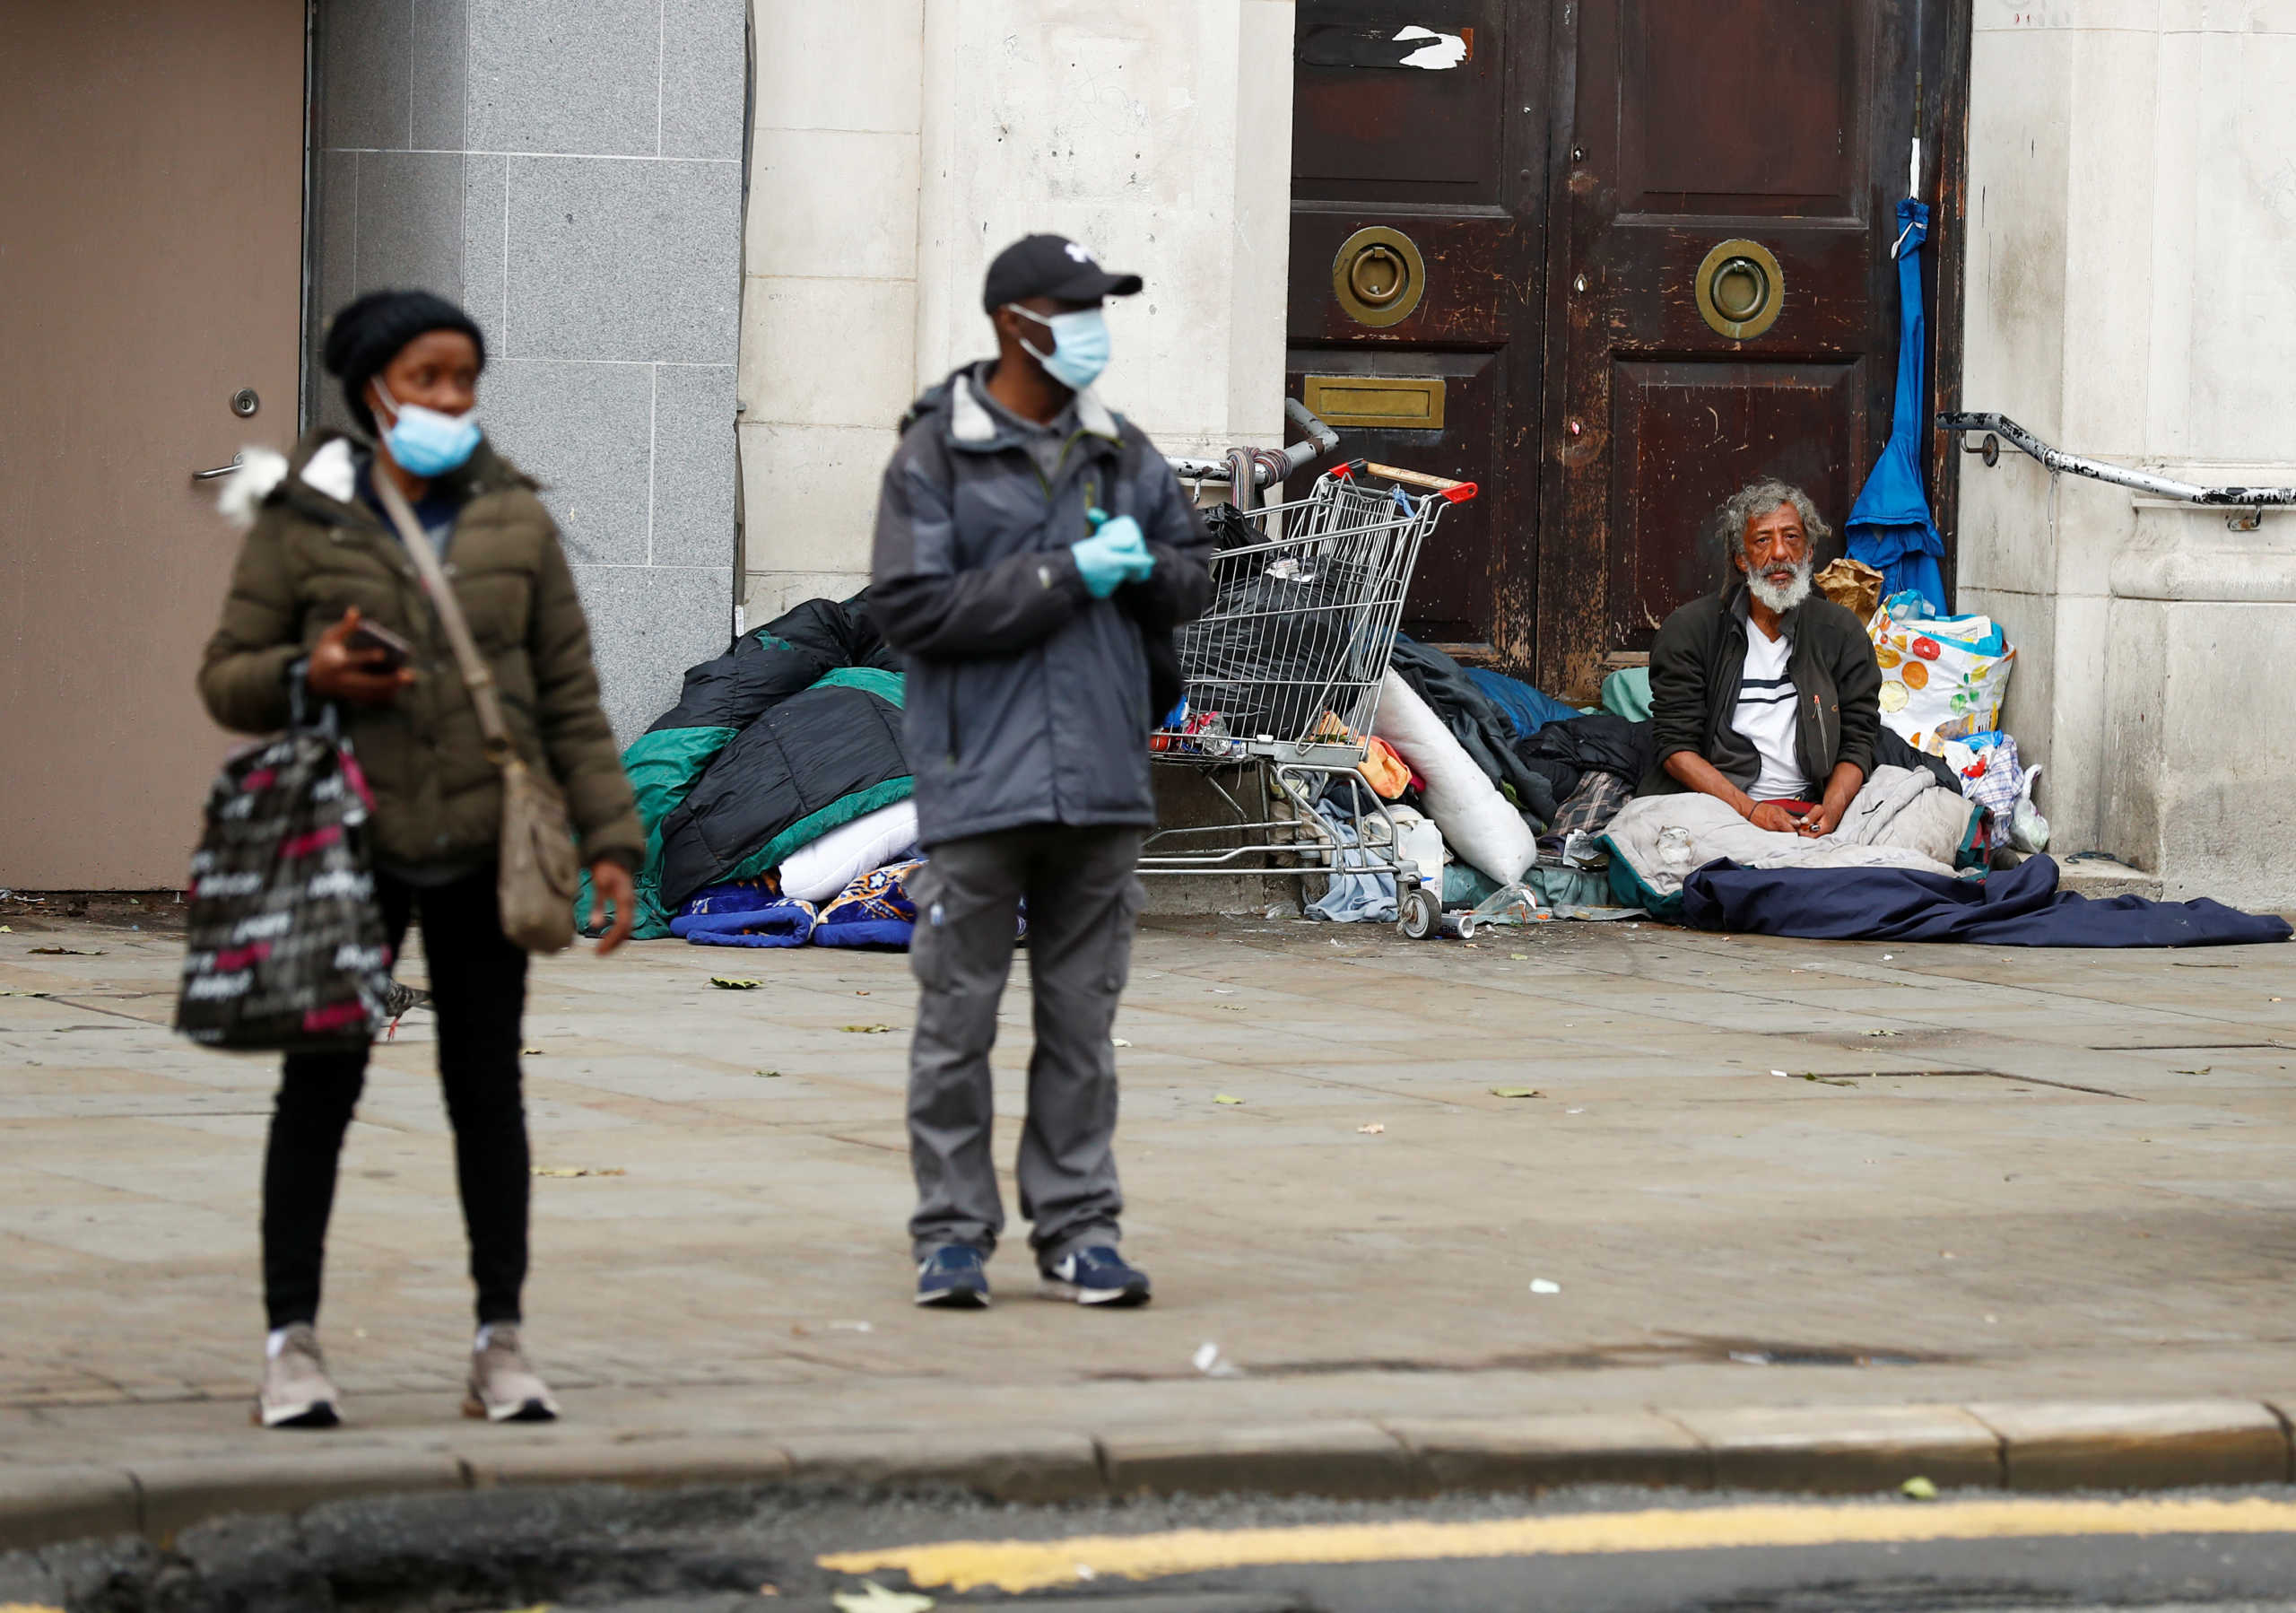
x: 1445, y: 50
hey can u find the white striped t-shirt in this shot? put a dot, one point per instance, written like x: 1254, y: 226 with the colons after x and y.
x: 1768, y: 718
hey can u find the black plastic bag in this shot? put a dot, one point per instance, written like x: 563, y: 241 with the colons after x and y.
x: 286, y: 950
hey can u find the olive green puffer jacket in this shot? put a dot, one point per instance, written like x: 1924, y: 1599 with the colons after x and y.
x: 315, y: 551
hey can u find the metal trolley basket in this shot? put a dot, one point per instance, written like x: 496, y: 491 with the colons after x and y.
x: 1283, y: 674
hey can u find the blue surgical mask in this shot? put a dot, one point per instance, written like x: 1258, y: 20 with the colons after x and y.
x: 426, y: 442
x: 1080, y: 345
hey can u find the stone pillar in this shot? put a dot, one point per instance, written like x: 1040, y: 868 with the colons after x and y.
x: 897, y: 153
x: 828, y: 310
x: 2132, y: 211
x: 572, y: 175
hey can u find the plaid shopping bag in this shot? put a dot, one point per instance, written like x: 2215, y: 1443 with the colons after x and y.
x: 286, y: 951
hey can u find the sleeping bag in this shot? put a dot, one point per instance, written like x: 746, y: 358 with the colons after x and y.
x: 812, y: 763
x: 722, y: 697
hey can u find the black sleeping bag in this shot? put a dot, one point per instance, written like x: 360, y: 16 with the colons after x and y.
x: 723, y: 697
x: 784, y: 657
x: 812, y: 763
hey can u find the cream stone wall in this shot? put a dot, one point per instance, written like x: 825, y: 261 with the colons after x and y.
x: 2131, y: 285
x: 900, y: 144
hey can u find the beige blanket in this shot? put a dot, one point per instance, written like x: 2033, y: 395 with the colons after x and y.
x: 1902, y: 819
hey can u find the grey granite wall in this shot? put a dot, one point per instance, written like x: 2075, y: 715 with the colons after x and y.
x: 570, y: 171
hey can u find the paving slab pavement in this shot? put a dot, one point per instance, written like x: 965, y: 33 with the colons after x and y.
x: 1988, y: 1181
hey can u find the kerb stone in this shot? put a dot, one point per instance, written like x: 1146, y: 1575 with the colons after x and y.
x: 1019, y: 1465
x: 1845, y: 1449
x: 1340, y: 1458
x: 644, y: 1464
x: 1546, y: 1453
x: 40, y: 1506
x: 2142, y: 1445
x: 179, y: 1493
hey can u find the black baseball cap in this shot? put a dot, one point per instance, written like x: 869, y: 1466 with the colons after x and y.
x: 1052, y: 266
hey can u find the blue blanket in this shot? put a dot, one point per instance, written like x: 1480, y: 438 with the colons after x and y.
x: 2020, y: 907
x: 745, y: 912
x: 874, y: 909
x: 1526, y: 709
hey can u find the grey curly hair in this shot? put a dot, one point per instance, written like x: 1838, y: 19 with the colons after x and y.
x: 1759, y: 498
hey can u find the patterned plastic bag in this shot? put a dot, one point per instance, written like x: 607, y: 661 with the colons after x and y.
x: 1943, y: 677
x: 286, y: 950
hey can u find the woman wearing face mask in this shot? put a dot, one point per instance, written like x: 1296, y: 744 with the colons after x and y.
x: 322, y: 565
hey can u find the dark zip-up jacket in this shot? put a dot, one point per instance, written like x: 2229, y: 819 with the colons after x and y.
x: 1699, y: 657
x: 317, y: 549
x: 1028, y: 700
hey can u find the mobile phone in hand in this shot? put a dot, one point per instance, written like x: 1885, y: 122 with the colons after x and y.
x: 369, y: 638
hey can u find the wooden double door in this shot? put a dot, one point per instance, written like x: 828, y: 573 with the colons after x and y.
x: 1610, y: 259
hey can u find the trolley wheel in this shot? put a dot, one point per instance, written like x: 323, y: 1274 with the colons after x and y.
x: 1418, y: 913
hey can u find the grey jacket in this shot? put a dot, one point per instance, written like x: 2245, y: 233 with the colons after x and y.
x: 1028, y: 699
x: 1700, y: 654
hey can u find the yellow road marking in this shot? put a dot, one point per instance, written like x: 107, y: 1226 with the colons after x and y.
x: 1022, y: 1566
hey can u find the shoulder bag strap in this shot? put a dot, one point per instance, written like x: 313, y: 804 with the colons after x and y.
x: 476, y: 676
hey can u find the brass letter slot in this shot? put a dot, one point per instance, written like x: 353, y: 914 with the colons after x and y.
x: 1381, y: 402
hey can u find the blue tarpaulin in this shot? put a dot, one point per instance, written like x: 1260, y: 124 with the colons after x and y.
x: 1890, y: 527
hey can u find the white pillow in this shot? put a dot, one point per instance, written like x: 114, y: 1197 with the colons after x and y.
x: 1476, y: 821
x: 818, y: 871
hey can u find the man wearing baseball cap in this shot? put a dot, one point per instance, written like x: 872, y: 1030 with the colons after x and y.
x: 1034, y: 554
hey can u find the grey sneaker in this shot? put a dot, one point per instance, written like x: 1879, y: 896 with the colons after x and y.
x: 296, y: 1392
x: 503, y: 1388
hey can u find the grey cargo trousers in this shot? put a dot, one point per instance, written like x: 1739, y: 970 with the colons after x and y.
x: 1084, y: 898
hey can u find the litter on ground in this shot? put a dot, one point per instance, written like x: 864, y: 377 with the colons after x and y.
x: 1211, y: 1364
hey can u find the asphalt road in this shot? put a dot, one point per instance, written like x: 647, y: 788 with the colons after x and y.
x: 1595, y: 1551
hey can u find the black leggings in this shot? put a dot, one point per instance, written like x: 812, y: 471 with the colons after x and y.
x: 478, y: 989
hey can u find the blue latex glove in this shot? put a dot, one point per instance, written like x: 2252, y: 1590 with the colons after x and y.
x: 1114, y: 554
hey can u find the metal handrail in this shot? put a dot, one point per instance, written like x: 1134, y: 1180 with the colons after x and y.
x: 2008, y: 431
x: 1271, y: 467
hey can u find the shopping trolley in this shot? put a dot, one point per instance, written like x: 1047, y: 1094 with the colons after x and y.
x: 1283, y: 674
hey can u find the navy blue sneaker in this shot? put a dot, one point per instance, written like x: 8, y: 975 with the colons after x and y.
x: 1097, y: 1276
x: 954, y: 1278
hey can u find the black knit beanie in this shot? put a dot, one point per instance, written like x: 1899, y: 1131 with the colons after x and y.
x: 369, y: 331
